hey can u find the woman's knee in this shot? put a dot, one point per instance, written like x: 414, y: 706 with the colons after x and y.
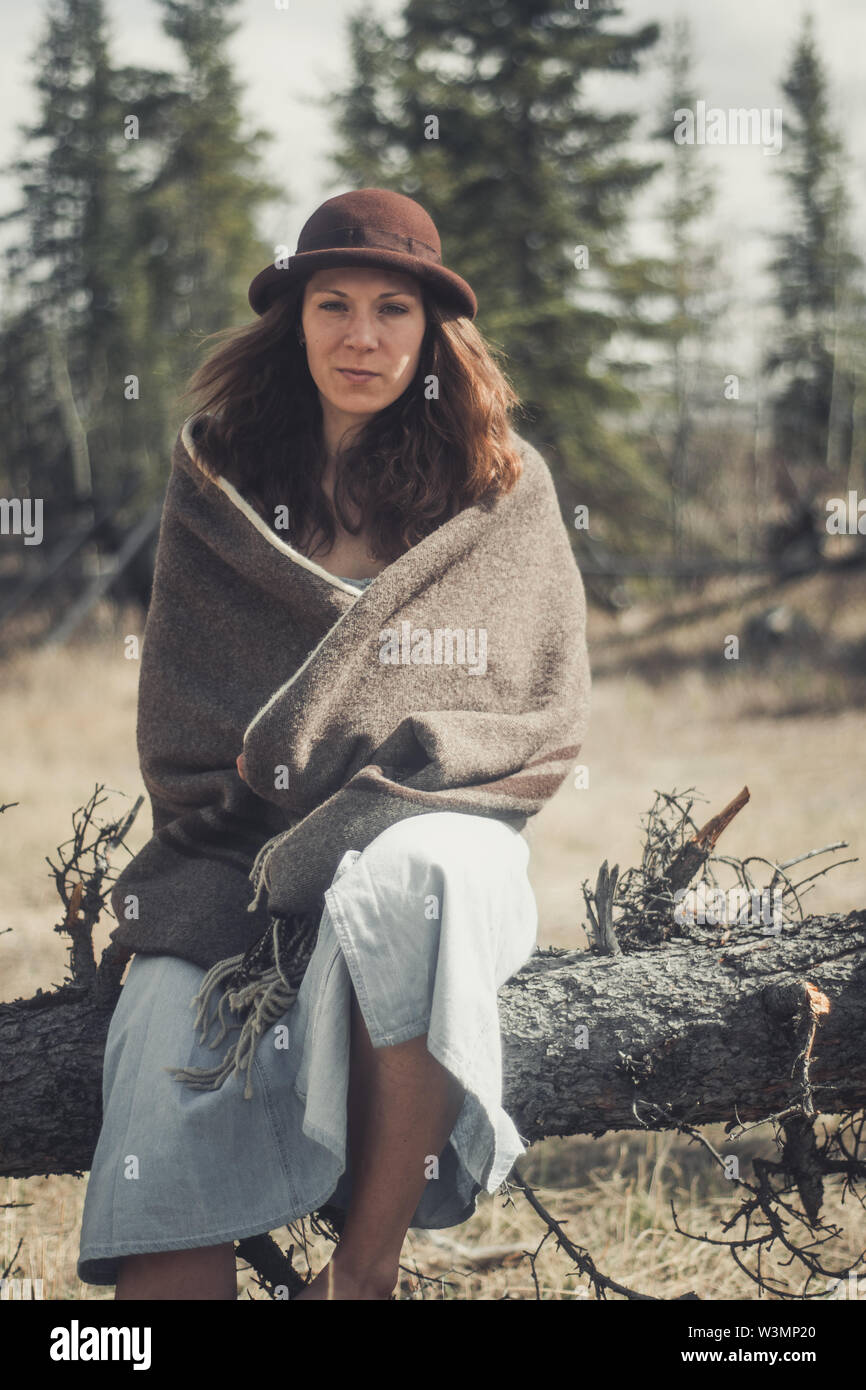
x: 465, y: 853
x: 438, y: 840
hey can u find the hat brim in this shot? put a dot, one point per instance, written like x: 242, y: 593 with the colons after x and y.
x: 445, y: 284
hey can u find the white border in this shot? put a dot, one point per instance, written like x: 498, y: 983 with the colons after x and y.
x: 259, y: 522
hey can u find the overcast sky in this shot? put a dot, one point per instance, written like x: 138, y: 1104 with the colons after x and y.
x: 285, y: 57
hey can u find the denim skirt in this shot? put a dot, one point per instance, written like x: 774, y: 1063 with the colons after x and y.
x: 425, y: 925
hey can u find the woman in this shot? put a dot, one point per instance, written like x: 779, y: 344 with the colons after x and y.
x: 360, y: 435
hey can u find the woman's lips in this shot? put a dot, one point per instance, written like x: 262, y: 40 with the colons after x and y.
x: 351, y: 375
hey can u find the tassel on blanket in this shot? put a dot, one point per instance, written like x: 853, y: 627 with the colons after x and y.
x: 258, y: 873
x: 258, y: 986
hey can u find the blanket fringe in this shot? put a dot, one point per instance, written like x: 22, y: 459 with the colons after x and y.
x: 258, y: 876
x: 263, y: 993
x: 258, y: 873
x: 266, y: 1000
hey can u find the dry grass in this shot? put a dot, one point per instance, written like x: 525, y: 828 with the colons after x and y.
x: 664, y: 717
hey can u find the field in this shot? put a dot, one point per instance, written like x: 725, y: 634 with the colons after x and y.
x: 667, y: 714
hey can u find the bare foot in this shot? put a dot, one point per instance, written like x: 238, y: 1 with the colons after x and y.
x: 332, y: 1282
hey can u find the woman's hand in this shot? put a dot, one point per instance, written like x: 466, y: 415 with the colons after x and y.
x: 241, y: 767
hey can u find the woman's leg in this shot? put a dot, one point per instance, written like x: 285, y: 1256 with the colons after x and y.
x: 402, y: 1107
x: 208, y: 1271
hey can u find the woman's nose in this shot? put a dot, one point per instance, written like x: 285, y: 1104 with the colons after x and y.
x: 361, y: 331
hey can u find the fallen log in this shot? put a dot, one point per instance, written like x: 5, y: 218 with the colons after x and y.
x: 706, y: 1032
x: 590, y: 1042
x: 674, y: 1018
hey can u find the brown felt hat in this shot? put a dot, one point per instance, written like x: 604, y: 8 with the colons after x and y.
x: 369, y: 227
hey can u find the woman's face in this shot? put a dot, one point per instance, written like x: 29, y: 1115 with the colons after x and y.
x: 372, y: 320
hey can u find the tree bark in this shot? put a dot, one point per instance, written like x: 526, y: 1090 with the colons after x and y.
x: 709, y: 1031
x: 694, y: 1030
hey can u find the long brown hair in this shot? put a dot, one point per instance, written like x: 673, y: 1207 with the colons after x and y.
x: 411, y: 467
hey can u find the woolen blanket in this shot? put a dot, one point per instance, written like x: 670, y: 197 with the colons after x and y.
x: 458, y: 680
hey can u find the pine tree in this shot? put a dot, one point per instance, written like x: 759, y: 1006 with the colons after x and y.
x: 817, y: 294
x: 691, y: 286
x: 139, y: 197
x: 69, y: 330
x: 477, y: 110
x: 199, y: 245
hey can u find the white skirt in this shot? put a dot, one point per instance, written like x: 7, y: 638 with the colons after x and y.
x: 426, y: 924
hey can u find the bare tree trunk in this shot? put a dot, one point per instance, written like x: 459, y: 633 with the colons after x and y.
x: 709, y: 1031
x: 697, y: 1030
